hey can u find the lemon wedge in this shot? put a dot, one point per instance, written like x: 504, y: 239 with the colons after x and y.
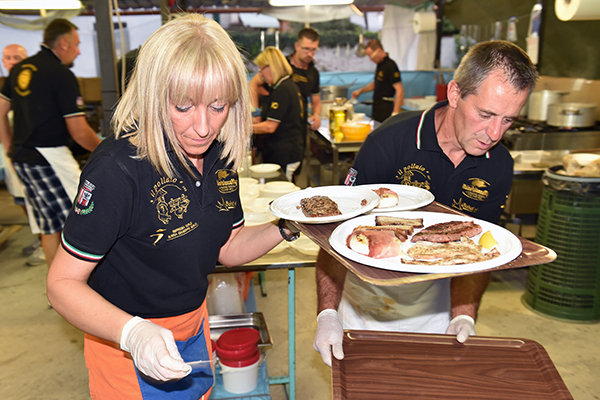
x: 487, y: 241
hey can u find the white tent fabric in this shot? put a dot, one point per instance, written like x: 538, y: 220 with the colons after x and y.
x: 409, y: 50
x: 36, y: 24
x: 311, y: 14
x: 256, y: 20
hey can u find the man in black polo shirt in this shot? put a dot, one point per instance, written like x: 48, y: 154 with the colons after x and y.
x: 306, y: 75
x: 453, y: 150
x: 388, y: 92
x: 48, y: 110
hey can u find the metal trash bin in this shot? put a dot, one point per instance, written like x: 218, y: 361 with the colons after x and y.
x: 568, y: 223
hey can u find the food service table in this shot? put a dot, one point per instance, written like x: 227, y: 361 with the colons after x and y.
x: 322, y: 139
x: 289, y: 259
x: 532, y: 254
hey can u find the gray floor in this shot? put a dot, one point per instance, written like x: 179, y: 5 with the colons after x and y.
x: 41, y: 356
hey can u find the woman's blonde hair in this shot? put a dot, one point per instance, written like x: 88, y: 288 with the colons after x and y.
x: 274, y: 58
x: 188, y: 58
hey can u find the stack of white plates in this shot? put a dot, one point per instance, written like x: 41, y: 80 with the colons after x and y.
x: 276, y: 189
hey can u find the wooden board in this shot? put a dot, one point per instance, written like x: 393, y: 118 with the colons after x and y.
x: 393, y: 365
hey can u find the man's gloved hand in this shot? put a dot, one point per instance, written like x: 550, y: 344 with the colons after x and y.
x: 328, y: 338
x: 153, y: 350
x: 462, y: 326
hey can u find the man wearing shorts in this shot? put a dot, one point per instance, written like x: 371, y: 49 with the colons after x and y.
x: 48, y: 110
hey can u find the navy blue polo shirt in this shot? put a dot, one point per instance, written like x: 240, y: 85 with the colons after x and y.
x: 386, y: 75
x: 155, y: 239
x: 43, y: 92
x: 285, y: 145
x: 398, y: 153
x: 307, y: 81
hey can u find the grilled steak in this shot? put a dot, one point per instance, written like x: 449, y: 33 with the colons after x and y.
x: 319, y: 206
x: 447, y: 232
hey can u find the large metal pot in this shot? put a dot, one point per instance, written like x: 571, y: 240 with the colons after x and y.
x: 572, y: 115
x: 329, y: 93
x: 537, y: 107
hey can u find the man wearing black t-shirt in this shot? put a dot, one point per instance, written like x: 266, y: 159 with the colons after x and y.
x: 388, y: 92
x: 48, y: 110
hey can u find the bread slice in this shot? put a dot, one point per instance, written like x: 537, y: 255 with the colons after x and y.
x: 387, y: 220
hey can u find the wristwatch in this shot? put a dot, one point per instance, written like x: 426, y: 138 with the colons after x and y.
x: 288, y: 238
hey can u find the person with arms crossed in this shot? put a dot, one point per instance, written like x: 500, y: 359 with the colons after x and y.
x: 48, y: 111
x: 388, y: 92
x: 452, y: 150
x: 158, y: 207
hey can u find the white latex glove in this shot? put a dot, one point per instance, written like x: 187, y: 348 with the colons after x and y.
x: 153, y: 350
x: 328, y: 338
x: 462, y: 326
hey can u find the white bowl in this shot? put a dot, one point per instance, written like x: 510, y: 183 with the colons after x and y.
x: 248, y: 193
x: 275, y: 189
x: 245, y: 181
x: 254, y: 218
x: 264, y: 168
x: 259, y: 205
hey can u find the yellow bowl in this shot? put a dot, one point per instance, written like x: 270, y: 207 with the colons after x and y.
x: 354, y: 131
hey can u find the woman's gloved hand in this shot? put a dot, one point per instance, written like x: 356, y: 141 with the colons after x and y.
x: 462, y: 326
x: 153, y: 350
x: 328, y: 338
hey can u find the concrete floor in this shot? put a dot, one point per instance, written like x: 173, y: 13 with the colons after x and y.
x: 41, y: 355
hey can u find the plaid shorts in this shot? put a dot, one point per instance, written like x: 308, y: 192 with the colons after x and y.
x: 49, y: 201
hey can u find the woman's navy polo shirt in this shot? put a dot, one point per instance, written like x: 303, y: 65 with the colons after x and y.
x: 397, y: 153
x: 155, y: 239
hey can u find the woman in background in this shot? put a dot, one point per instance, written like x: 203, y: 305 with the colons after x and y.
x: 282, y: 114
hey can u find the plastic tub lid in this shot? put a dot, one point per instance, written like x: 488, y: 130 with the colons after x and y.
x: 237, y: 354
x: 238, y: 338
x: 240, y: 363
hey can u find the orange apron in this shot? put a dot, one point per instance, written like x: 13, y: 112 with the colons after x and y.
x: 112, y: 373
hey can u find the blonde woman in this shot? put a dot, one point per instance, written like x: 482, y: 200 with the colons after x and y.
x: 282, y: 114
x: 158, y: 206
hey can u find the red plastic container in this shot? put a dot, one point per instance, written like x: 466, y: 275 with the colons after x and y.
x: 238, y: 347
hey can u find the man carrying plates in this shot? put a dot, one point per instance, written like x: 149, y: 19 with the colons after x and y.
x: 452, y: 150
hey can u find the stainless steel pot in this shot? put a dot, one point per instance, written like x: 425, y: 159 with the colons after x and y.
x: 537, y: 107
x: 329, y: 93
x: 572, y: 115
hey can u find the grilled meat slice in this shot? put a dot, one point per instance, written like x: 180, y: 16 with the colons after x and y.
x: 319, y: 206
x: 447, y: 232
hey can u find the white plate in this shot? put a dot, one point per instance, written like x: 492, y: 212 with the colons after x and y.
x: 305, y: 246
x: 264, y: 168
x: 509, y: 245
x: 257, y: 218
x: 409, y: 197
x: 348, y: 199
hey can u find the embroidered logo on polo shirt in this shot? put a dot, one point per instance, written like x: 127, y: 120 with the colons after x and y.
x: 227, y: 181
x: 414, y: 175
x: 299, y: 78
x: 170, y: 198
x: 476, y: 189
x: 84, y: 204
x: 462, y: 206
x: 274, y: 105
x: 24, y: 79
